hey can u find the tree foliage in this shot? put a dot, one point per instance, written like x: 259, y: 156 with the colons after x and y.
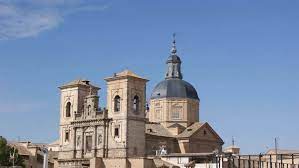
x: 5, y: 154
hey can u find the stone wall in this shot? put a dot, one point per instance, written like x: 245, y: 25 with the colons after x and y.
x: 153, y: 143
x: 168, y: 111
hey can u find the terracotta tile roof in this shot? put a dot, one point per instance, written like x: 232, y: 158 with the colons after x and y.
x: 22, y: 150
x: 54, y: 143
x: 192, y: 129
x: 81, y: 82
x: 125, y: 73
x: 157, y: 130
x: 189, y: 131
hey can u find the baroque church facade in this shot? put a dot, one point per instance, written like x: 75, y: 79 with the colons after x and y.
x: 130, y: 131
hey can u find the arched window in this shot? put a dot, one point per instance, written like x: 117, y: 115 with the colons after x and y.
x: 88, y: 109
x: 68, y: 109
x: 116, y: 103
x: 67, y: 137
x: 136, y: 104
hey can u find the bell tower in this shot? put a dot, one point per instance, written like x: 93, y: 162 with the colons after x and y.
x: 73, y: 97
x: 126, y: 103
x: 91, y: 104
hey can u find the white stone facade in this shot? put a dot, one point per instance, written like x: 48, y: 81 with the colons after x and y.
x: 87, y: 132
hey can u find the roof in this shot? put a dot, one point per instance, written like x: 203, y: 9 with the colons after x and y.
x: 78, y: 82
x: 54, y: 143
x: 125, y: 73
x: 174, y: 88
x: 188, y: 154
x: 189, y: 131
x: 232, y: 147
x: 282, y: 151
x: 22, y: 150
x: 162, y: 163
x: 192, y: 129
x: 157, y: 129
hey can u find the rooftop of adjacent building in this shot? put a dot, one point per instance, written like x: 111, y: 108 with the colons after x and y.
x: 282, y: 151
x: 157, y: 129
x: 29, y: 149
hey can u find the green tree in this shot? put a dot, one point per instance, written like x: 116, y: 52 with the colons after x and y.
x: 5, y: 154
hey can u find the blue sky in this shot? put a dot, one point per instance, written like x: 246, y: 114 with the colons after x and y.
x: 242, y: 57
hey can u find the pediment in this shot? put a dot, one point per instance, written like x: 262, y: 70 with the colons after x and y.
x: 206, y: 132
x: 200, y: 131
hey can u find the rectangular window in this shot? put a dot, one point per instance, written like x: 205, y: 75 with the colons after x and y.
x: 158, y: 114
x: 175, y: 115
x: 67, y: 136
x: 88, y: 143
x: 116, y: 132
x: 157, y: 104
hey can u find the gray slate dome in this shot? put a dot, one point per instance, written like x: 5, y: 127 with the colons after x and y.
x: 174, y: 88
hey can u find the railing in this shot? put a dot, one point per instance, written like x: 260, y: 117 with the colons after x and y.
x: 258, y: 161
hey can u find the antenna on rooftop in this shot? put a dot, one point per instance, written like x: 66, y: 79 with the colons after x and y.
x: 276, y: 146
x: 233, y: 141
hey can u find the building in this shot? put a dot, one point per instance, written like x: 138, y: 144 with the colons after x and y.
x: 126, y: 133
x: 283, y: 156
x: 54, y: 146
x: 32, y: 153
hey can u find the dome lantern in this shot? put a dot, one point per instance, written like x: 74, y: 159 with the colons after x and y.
x: 173, y: 63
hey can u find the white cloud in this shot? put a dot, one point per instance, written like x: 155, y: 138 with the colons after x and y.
x: 26, y: 18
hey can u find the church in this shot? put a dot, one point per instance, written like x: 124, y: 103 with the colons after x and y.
x: 131, y: 131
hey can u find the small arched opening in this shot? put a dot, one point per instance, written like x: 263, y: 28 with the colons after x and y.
x: 116, y: 103
x: 68, y: 109
x: 136, y: 104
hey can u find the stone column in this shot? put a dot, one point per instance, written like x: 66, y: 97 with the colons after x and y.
x: 107, y: 139
x: 74, y: 142
x: 82, y: 143
x: 104, y: 139
x: 95, y: 141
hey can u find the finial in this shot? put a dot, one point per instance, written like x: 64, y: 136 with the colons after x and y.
x: 173, y: 36
x: 173, y: 49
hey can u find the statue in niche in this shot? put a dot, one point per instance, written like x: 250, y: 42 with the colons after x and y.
x: 99, y: 139
x: 78, y: 140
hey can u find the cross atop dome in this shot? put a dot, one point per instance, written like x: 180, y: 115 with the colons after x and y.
x: 174, y: 63
x: 173, y: 49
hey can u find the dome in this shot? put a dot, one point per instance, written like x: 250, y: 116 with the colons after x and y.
x: 174, y: 88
